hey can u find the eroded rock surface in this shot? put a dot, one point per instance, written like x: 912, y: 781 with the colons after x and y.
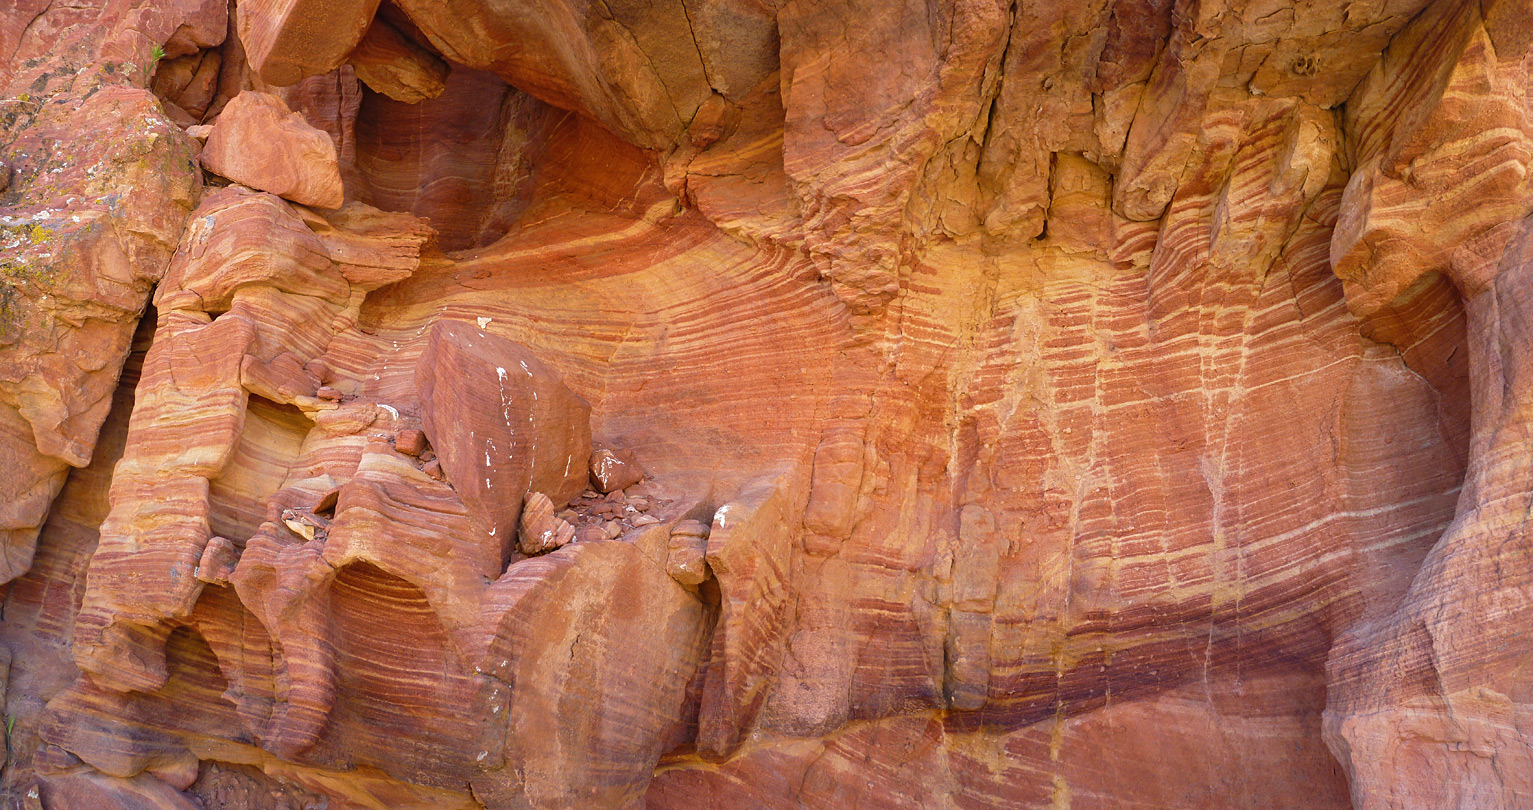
x: 1105, y: 404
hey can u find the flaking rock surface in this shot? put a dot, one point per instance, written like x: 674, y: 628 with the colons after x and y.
x: 766, y: 403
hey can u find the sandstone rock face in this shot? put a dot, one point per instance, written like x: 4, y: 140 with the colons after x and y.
x: 99, y: 184
x: 1092, y: 405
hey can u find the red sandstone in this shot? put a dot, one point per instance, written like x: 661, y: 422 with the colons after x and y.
x: 1092, y: 405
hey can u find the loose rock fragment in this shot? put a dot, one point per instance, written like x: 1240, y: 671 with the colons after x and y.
x: 299, y: 527
x: 691, y: 528
x: 410, y: 441
x: 305, y: 524
x: 612, y: 471
x: 541, y: 530
x: 288, y: 40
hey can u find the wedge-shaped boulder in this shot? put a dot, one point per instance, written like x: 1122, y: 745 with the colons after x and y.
x: 502, y: 423
x: 258, y: 141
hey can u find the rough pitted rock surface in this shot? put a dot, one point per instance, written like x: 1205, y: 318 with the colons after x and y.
x: 1105, y: 404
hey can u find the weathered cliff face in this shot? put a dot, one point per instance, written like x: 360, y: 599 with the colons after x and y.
x: 732, y: 403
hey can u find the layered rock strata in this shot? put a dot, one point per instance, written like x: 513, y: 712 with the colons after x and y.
x: 797, y: 404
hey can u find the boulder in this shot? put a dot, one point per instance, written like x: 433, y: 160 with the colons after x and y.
x: 259, y: 142
x: 612, y: 470
x: 502, y: 423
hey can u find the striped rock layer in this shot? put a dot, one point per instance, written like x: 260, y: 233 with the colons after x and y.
x: 1104, y: 404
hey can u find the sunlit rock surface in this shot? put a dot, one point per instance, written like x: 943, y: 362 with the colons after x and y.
x: 731, y: 403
